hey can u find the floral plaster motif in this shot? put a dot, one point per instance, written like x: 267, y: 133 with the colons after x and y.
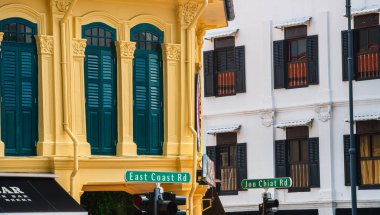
x: 267, y: 118
x: 62, y: 5
x: 79, y: 46
x: 172, y: 51
x: 324, y: 113
x: 45, y: 44
x: 187, y: 12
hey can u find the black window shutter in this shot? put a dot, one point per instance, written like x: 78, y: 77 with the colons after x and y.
x: 240, y: 69
x: 312, y: 59
x: 378, y: 43
x: 213, y: 153
x: 208, y: 64
x: 346, y: 142
x: 344, y: 55
x: 241, y: 163
x: 280, y: 60
x: 280, y: 158
x: 314, y: 162
x: 355, y: 40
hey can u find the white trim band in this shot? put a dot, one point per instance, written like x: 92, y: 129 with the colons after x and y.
x: 364, y: 117
x: 28, y: 175
x: 294, y: 123
x: 292, y: 22
x: 365, y: 10
x: 232, y: 128
x: 218, y: 34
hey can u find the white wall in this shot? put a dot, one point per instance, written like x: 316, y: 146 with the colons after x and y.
x: 255, y: 20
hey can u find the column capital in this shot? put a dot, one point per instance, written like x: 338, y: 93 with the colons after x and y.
x: 60, y: 5
x: 45, y: 44
x: 79, y: 46
x: 1, y: 37
x: 126, y: 49
x: 171, y: 51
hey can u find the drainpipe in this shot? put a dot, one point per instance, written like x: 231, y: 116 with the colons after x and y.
x: 189, y: 62
x: 64, y: 97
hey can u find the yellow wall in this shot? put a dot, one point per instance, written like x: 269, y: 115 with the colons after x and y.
x: 181, y: 59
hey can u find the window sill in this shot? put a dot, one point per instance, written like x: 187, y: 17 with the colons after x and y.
x: 366, y: 79
x: 369, y: 187
x: 298, y: 190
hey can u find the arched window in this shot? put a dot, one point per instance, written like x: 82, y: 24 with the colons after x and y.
x: 19, y: 120
x: 100, y: 87
x: 148, y: 117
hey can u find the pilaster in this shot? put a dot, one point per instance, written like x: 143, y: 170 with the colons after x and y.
x: 171, y: 76
x: 125, y: 144
x: 45, y: 50
x: 2, y: 147
x: 76, y: 99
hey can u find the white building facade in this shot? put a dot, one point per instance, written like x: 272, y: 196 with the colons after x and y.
x: 275, y: 104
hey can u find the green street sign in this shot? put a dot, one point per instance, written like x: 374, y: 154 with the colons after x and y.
x: 266, y: 183
x: 157, y: 177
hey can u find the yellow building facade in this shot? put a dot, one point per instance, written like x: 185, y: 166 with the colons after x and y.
x: 62, y: 144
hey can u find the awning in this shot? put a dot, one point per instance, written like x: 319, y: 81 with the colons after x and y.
x: 221, y: 33
x: 365, y: 10
x: 292, y: 22
x: 294, y: 123
x: 364, y: 117
x: 226, y: 129
x: 35, y: 194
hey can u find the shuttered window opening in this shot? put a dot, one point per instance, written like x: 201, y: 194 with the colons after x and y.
x: 100, y: 88
x: 366, y: 46
x: 295, y: 59
x: 18, y: 67
x: 367, y: 141
x: 148, y: 117
x: 224, y: 69
x: 230, y: 162
x: 298, y: 159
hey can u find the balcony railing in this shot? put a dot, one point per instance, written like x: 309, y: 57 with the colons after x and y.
x: 368, y: 65
x: 226, y: 83
x: 297, y: 74
x: 300, y: 175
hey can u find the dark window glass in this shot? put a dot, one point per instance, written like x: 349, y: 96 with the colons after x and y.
x: 6, y: 27
x: 94, y: 32
x: 225, y: 42
x: 94, y: 41
x: 108, y: 34
x: 88, y: 41
x: 148, y: 37
x: 101, y: 32
x: 13, y: 37
x: 155, y: 38
x: 12, y: 27
x: 148, y: 46
x: 136, y: 36
x: 21, y: 28
x: 28, y: 29
x: 88, y: 32
x: 21, y: 38
x: 28, y: 38
x: 295, y: 32
x: 101, y: 41
x: 108, y: 42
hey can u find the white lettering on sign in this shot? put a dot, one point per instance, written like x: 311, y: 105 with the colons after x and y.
x: 10, y: 190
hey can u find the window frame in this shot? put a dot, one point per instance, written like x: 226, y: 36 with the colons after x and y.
x: 359, y: 158
x: 299, y: 141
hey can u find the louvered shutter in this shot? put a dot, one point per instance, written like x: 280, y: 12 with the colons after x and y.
x: 355, y: 41
x: 108, y: 125
x: 28, y: 108
x: 281, y: 157
x: 314, y: 174
x: 346, y: 144
x: 241, y: 163
x: 140, y: 112
x: 378, y: 43
x: 155, y: 102
x: 9, y: 107
x: 280, y: 63
x: 93, y: 100
x: 312, y: 59
x: 208, y: 63
x: 240, y: 69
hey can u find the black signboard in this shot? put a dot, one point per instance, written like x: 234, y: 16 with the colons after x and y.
x: 19, y: 194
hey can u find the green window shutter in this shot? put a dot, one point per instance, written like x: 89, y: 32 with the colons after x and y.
x: 100, y: 84
x: 19, y: 88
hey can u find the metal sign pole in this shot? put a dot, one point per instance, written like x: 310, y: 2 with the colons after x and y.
x: 156, y: 195
x: 351, y: 107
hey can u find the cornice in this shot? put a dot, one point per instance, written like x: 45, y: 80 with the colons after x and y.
x: 45, y: 44
x: 305, y: 107
x: 79, y: 47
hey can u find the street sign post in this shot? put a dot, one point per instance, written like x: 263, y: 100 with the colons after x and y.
x: 266, y: 183
x: 157, y: 177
